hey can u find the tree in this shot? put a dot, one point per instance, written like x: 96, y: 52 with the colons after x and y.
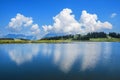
x: 97, y: 35
x: 114, y: 35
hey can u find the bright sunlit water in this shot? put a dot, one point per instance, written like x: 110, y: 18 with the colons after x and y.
x: 61, y: 61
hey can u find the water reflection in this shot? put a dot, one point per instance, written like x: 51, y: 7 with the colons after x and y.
x: 64, y: 56
x: 46, y: 49
x: 88, y: 54
x: 107, y: 51
x: 22, y: 53
x: 91, y: 55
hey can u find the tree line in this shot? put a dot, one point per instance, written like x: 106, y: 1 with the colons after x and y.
x: 77, y: 36
x: 84, y: 37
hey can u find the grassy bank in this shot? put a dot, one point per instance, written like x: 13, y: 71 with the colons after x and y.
x: 51, y: 41
x: 60, y: 41
x: 105, y: 40
x: 30, y: 41
x: 14, y: 41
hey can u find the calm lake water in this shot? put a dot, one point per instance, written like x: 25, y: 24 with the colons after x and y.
x: 64, y: 61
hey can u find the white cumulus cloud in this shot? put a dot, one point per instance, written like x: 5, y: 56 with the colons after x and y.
x: 65, y: 22
x: 113, y: 15
x: 20, y: 21
x: 35, y: 29
x: 24, y: 25
x: 91, y: 23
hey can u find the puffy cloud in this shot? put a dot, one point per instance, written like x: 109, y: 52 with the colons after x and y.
x: 24, y: 25
x: 35, y: 29
x: 113, y: 15
x: 91, y: 23
x: 65, y: 22
x: 20, y: 21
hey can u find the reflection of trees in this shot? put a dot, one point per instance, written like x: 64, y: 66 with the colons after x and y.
x: 21, y: 53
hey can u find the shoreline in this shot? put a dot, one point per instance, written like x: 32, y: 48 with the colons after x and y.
x: 58, y: 41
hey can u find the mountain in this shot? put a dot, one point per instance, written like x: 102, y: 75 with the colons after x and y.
x: 53, y: 35
x: 16, y: 36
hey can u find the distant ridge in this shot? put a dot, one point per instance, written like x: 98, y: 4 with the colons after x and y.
x: 18, y: 36
x: 53, y: 35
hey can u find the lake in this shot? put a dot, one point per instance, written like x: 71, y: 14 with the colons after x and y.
x: 60, y: 61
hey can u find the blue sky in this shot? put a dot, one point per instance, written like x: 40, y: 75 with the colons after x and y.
x: 43, y: 11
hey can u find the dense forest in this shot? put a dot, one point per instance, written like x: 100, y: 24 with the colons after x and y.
x: 84, y: 37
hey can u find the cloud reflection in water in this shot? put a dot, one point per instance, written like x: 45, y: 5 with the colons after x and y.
x: 22, y: 53
x: 87, y: 53
x: 91, y: 55
x: 107, y: 50
x: 63, y: 55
